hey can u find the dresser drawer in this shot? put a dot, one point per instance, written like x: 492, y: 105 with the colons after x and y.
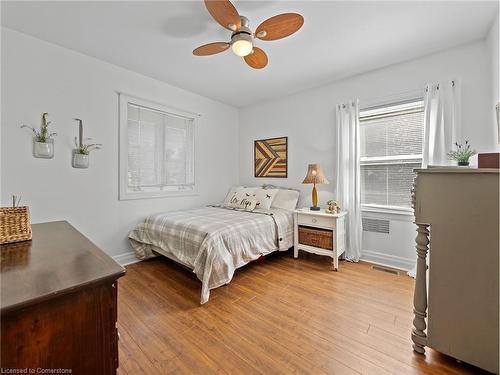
x: 315, y: 221
x: 316, y: 237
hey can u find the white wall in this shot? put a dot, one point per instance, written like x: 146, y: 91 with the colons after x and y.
x: 307, y: 118
x: 41, y: 77
x: 493, y: 42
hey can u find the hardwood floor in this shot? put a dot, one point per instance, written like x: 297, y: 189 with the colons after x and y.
x: 278, y: 315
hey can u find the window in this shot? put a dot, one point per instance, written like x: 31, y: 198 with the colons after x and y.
x: 156, y: 150
x: 391, y: 147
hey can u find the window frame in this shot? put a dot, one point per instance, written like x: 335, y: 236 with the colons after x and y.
x: 379, y: 160
x: 124, y: 192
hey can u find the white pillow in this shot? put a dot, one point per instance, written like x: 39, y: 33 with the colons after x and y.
x: 231, y: 193
x: 286, y: 199
x: 251, y: 204
x: 242, y: 198
x: 234, y: 190
x: 265, y: 197
x: 243, y: 203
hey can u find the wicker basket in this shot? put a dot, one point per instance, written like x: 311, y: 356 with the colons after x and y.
x: 15, y: 255
x: 14, y: 224
x: 316, y: 237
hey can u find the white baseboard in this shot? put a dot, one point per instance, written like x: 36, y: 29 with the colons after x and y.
x: 387, y: 260
x: 126, y: 258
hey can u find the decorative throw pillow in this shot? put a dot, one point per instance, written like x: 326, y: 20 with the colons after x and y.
x: 250, y: 204
x: 264, y: 197
x: 242, y: 198
x: 231, y: 193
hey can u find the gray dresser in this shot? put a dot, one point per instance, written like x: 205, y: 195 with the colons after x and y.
x: 456, y: 296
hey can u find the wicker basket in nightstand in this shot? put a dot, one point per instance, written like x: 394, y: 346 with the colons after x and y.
x: 316, y: 237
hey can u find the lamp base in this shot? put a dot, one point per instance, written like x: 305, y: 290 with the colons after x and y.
x: 315, y: 208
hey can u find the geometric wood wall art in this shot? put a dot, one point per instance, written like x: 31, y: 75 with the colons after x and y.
x: 271, y: 157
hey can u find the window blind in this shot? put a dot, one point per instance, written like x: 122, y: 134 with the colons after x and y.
x: 391, y: 147
x: 160, y: 150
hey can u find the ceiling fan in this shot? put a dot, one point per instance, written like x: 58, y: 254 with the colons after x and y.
x: 242, y: 38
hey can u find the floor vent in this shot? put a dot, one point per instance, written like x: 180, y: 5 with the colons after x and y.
x: 383, y: 269
x: 375, y: 225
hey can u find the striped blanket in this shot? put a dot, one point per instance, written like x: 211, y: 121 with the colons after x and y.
x: 213, y: 241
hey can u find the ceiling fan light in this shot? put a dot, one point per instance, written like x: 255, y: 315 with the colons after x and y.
x: 241, y: 44
x: 242, y: 47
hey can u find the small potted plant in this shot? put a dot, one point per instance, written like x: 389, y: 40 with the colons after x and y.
x: 82, y: 150
x: 462, y: 154
x: 43, y: 141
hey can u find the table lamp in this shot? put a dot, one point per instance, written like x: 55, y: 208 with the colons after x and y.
x: 315, y: 176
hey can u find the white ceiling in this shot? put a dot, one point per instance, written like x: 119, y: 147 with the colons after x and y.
x: 338, y: 39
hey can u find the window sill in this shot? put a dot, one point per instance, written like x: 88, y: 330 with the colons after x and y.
x: 157, y: 195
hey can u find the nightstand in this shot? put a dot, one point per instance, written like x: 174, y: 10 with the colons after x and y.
x: 319, y: 232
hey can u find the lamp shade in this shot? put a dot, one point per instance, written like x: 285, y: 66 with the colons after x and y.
x: 315, y: 175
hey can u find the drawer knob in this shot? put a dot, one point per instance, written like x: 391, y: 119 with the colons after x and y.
x: 314, y: 220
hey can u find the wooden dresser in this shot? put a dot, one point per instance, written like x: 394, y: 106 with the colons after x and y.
x: 456, y: 297
x: 58, y: 303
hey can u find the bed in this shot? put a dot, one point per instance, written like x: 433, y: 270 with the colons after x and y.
x: 214, y: 241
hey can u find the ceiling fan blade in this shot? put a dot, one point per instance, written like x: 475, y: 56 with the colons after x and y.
x: 279, y: 26
x: 257, y: 59
x: 211, y: 49
x: 224, y: 13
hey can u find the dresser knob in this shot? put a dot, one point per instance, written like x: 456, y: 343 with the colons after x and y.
x: 314, y: 220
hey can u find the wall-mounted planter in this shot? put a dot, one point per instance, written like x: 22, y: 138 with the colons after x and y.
x: 80, y: 160
x: 82, y: 151
x: 44, y: 150
x: 43, y: 141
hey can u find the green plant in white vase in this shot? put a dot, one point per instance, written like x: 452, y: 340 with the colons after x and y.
x: 462, y: 154
x: 82, y: 151
x: 43, y: 140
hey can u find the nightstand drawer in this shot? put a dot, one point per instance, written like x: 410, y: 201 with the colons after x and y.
x: 316, y: 237
x: 315, y: 221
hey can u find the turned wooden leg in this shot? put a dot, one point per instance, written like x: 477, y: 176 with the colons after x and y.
x: 418, y: 334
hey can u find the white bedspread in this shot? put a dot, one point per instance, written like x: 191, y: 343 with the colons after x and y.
x: 213, y: 241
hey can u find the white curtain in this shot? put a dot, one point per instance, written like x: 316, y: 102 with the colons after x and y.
x: 348, y: 174
x: 441, y: 122
x: 442, y: 126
